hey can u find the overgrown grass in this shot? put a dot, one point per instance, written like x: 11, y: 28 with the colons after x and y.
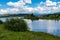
x: 11, y: 35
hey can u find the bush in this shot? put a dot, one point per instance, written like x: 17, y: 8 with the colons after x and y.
x: 16, y: 25
x: 1, y: 22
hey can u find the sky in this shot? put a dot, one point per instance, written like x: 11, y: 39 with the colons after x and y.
x: 29, y: 6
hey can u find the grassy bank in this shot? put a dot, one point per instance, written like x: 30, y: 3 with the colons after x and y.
x: 10, y: 35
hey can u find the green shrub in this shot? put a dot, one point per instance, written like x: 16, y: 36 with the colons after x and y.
x: 16, y: 25
x: 1, y: 22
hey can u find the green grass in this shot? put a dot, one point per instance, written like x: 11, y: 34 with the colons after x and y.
x: 10, y: 35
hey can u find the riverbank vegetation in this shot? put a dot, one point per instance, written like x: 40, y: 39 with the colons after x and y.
x: 14, y: 32
x: 55, y: 16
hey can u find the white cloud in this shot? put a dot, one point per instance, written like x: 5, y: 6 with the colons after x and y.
x: 3, y: 11
x: 20, y: 7
x: 16, y: 4
x: 20, y: 3
x: 13, y: 10
x: 50, y: 3
x: 28, y: 1
x: 49, y: 7
x: 9, y: 10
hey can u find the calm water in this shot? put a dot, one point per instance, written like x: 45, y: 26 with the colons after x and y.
x: 48, y: 26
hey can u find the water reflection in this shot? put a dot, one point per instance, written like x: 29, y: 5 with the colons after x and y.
x: 49, y: 26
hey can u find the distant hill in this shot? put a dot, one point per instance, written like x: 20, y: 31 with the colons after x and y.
x: 39, y: 14
x: 13, y: 15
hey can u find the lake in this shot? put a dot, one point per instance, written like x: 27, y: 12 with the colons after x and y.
x: 48, y: 26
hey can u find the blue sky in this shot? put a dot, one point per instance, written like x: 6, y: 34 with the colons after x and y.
x: 29, y: 6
